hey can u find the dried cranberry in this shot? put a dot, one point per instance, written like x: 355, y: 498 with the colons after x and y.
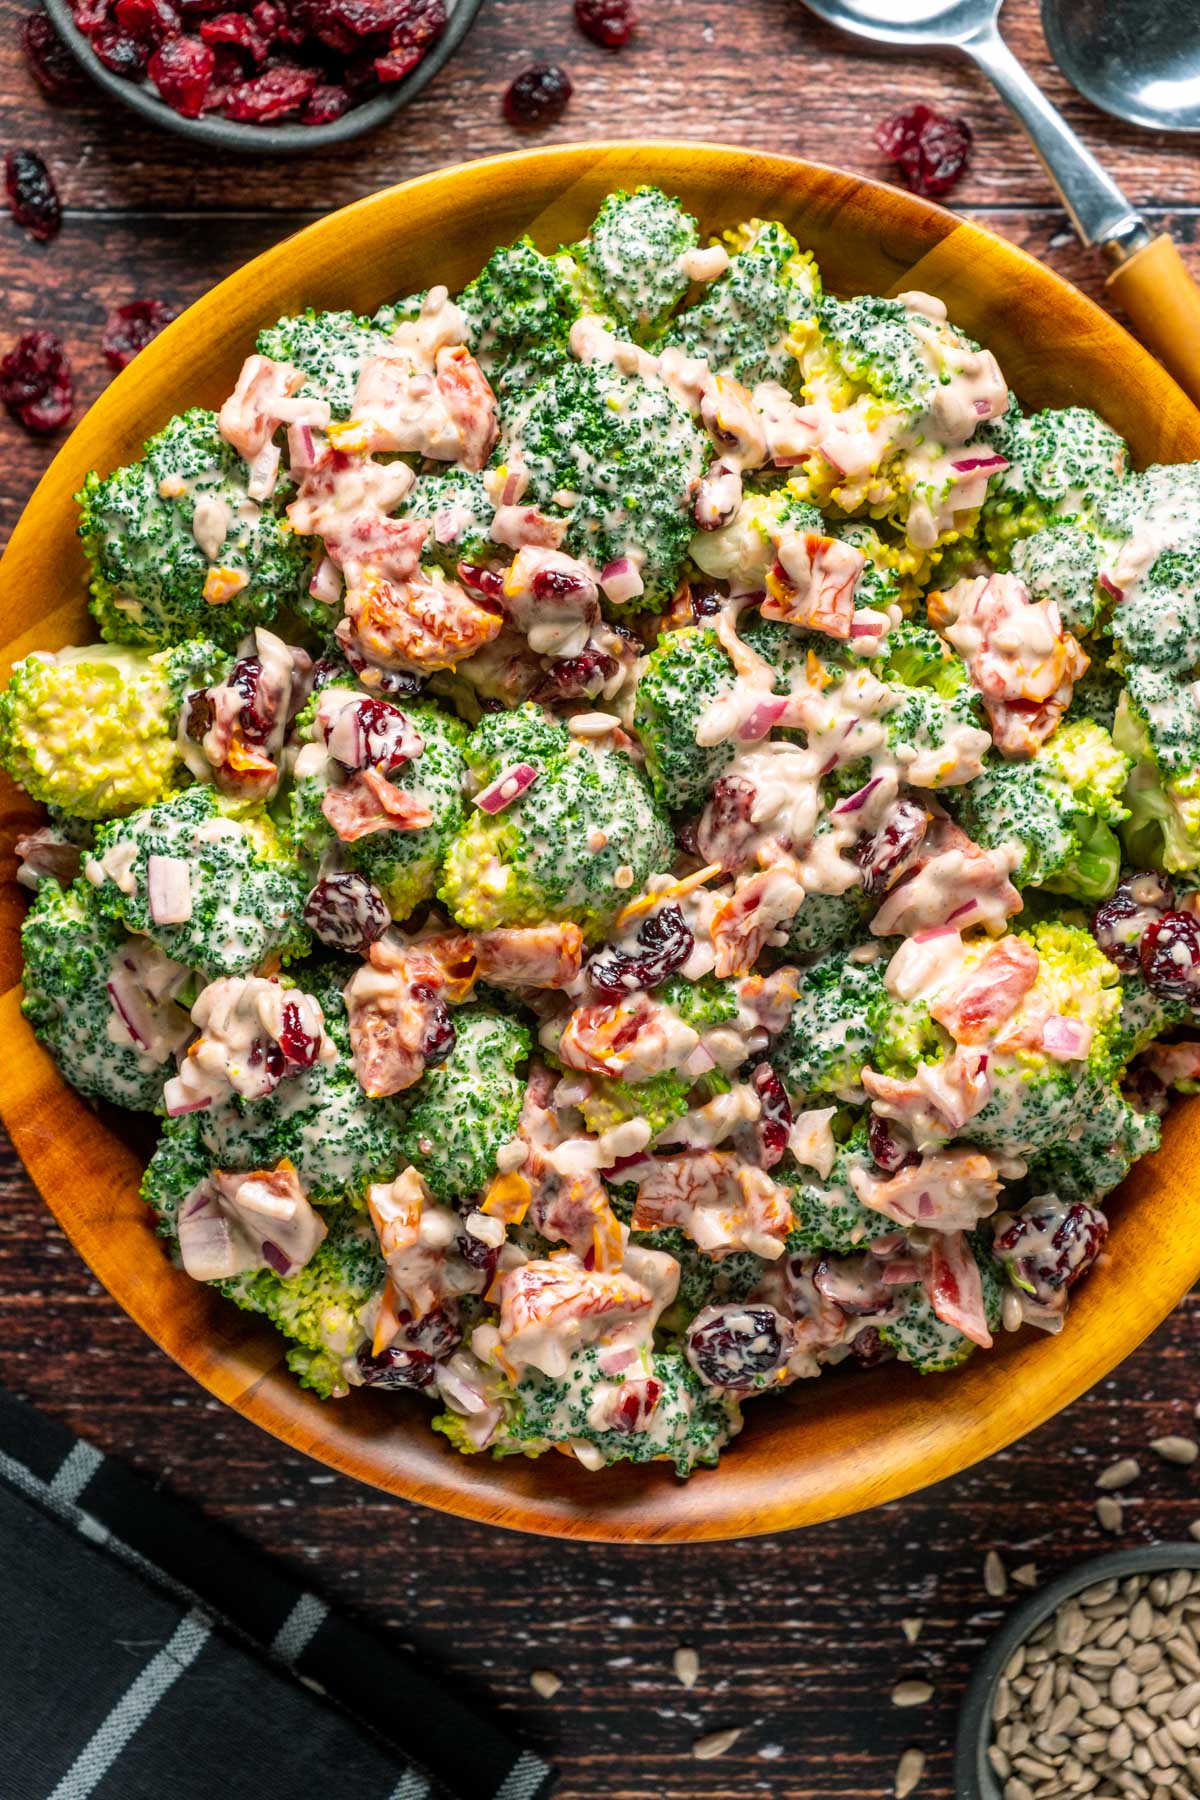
x: 410, y: 1358
x: 266, y: 1054
x: 182, y: 71
x: 422, y: 24
x: 327, y: 102
x: 538, y: 96
x: 129, y: 328
x: 151, y: 20
x: 706, y: 599
x: 89, y: 15
x: 890, y: 1150
x: 854, y: 1284
x: 636, y: 1404
x: 299, y: 1047
x: 1049, y: 1247
x: 280, y: 90
x: 440, y: 1035
x: 739, y: 1346
x: 123, y: 54
x: 1118, y: 923
x: 347, y: 912
x: 576, y: 677
x: 236, y: 31
x: 1170, y: 956
x: 869, y: 1348
x: 370, y: 734
x: 479, y: 1255
x: 727, y: 829
x: 36, y: 383
x: 32, y: 196
x: 775, y: 1118
x: 555, y: 584
x: 664, y: 943
x: 386, y: 681
x: 608, y: 22
x: 885, y: 855
x: 54, y: 68
x: 482, y: 580
x: 245, y: 678
x: 929, y: 149
x: 200, y: 714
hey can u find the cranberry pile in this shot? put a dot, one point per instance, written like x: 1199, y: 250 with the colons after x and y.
x: 296, y: 61
x: 929, y: 149
x: 1143, y: 932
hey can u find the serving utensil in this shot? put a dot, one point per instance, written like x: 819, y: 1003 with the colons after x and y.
x: 1148, y: 279
x: 1136, y: 60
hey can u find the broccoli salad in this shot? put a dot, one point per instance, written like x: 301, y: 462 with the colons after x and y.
x: 638, y: 828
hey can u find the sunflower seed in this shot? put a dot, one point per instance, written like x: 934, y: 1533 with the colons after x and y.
x: 715, y: 1744
x: 1194, y: 1530
x: 545, y: 1682
x: 912, y: 1629
x: 1109, y: 1513
x: 909, y: 1771
x: 1181, y: 1651
x: 1085, y: 1691
x: 1043, y: 1691
x: 1119, y: 1474
x: 919, y: 1693
x: 1070, y: 1626
x: 1123, y: 1688
x: 1016, y: 1789
x: 686, y: 1664
x: 1144, y: 1657
x: 1141, y: 1619
x: 1184, y: 1700
x: 1026, y: 1576
x: 995, y: 1578
x: 1120, y: 1742
x: 998, y: 1758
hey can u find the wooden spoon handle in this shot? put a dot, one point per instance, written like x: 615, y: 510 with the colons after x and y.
x: 1163, y: 304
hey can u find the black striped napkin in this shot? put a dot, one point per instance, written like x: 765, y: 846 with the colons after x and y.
x: 148, y: 1654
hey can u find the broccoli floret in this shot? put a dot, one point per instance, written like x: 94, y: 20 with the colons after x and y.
x: 702, y: 1004
x: 1163, y: 497
x: 321, y: 1308
x: 1060, y: 807
x: 92, y: 731
x: 659, y: 1100
x: 935, y: 698
x: 540, y: 858
x: 1157, y: 625
x: 632, y: 258
x: 627, y: 454
x: 1144, y: 1016
x: 828, y: 1213
x: 1062, y: 563
x: 879, y: 585
x: 914, y: 656
x: 874, y: 346
x: 457, y: 502
x: 1062, y: 464
x: 703, y: 1280
x: 519, y: 309
x: 1106, y: 1144
x: 842, y: 1018
x: 1097, y: 695
x: 70, y: 946
x: 247, y: 894
x: 404, y: 865
x: 1158, y: 726
x: 828, y: 922
x: 747, y: 316
x: 463, y: 1110
x: 180, y: 1163
x: 149, y: 574
x: 919, y: 1337
x: 332, y: 349
x: 744, y: 549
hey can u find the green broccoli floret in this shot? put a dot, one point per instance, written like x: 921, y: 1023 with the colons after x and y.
x: 148, y: 571
x: 875, y: 345
x: 659, y: 1100
x: 914, y: 656
x: 332, y: 349
x: 744, y: 322
x: 463, y: 1110
x: 1062, y: 464
x: 1062, y: 563
x: 1166, y: 495
x: 703, y: 1280
x: 878, y: 586
x: 91, y: 731
x: 703, y: 1003
x: 1144, y: 1016
x: 627, y: 454
x: 540, y: 857
x: 935, y: 699
x: 520, y: 309
x: 1158, y: 726
x: 1060, y: 807
x: 320, y: 1309
x: 632, y: 258
x: 1111, y: 1138
x: 1096, y: 696
x: 404, y: 865
x: 179, y: 1164
x: 457, y: 502
x: 247, y: 894
x: 1157, y: 625
x: 70, y: 947
x: 842, y: 1018
x: 828, y: 922
x: 919, y: 1337
x: 828, y: 1213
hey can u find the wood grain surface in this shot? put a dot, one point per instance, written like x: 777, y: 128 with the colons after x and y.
x: 799, y: 1636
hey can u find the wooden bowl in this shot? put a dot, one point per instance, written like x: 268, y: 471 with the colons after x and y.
x: 834, y: 1446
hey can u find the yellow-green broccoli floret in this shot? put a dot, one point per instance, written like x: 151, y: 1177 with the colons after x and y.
x: 404, y: 865
x: 179, y: 1164
x: 619, y: 458
x: 919, y: 1337
x: 934, y: 698
x: 541, y: 857
x: 331, y: 347
x: 632, y: 258
x: 745, y: 321
x: 519, y: 310
x: 92, y: 731
x: 465, y: 1108
x: 149, y: 572
x: 321, y: 1309
x: 246, y: 891
x: 1158, y: 726
x: 70, y: 946
x: 1062, y: 464
x: 660, y: 1100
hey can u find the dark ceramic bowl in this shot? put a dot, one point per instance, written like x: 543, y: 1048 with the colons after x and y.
x: 266, y: 140
x: 974, y: 1778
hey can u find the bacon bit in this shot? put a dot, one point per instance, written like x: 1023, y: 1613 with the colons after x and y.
x: 743, y: 925
x: 990, y: 993
x: 221, y: 584
x: 423, y: 624
x: 1173, y: 1063
x: 471, y: 404
x: 508, y: 1198
x: 540, y: 956
x: 719, y: 1201
x: 1024, y: 664
x: 948, y: 1190
x: 955, y: 1289
x: 368, y: 803
x: 250, y: 417
x: 812, y: 584
x: 548, y: 1309
x: 645, y: 903
x: 396, y: 1012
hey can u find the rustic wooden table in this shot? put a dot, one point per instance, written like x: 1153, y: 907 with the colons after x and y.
x: 799, y: 1637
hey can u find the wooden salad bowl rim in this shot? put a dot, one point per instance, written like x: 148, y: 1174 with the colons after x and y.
x: 853, y: 1439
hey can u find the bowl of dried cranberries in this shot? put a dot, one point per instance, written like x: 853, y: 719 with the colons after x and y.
x: 263, y: 75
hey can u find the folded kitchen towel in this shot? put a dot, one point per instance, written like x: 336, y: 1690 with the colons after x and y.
x: 148, y: 1654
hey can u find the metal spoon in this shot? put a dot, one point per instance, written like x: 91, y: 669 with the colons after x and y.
x: 1136, y: 59
x: 1149, y: 279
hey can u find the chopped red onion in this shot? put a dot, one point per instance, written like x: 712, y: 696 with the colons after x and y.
x: 302, y: 452
x: 968, y: 906
x: 789, y: 462
x: 765, y: 714
x: 264, y: 468
x: 169, y: 890
x: 507, y: 786
x: 854, y: 802
x: 867, y: 627
x: 1067, y: 1040
x: 129, y: 1003
x: 935, y: 931
x: 615, y: 1358
x: 1110, y: 587
x: 976, y: 465
x: 326, y: 584
x: 899, y: 1274
x: 177, y: 1100
x: 621, y: 580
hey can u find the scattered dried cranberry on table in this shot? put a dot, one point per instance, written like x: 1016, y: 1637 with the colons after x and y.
x: 32, y: 196
x: 929, y: 149
x: 538, y: 96
x: 129, y: 328
x: 302, y: 61
x: 608, y: 22
x: 36, y: 383
x: 51, y: 63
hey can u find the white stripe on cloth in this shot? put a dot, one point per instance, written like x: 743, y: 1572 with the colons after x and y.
x: 523, y: 1779
x: 410, y: 1787
x: 299, y: 1628
x: 75, y: 1471
x: 134, y: 1708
